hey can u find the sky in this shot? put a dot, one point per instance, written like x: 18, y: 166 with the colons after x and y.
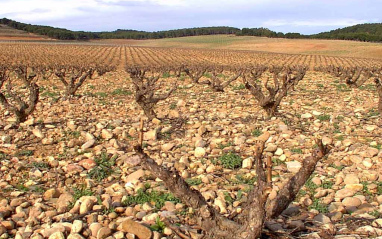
x: 303, y: 16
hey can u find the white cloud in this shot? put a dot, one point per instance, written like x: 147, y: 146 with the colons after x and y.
x: 313, y: 23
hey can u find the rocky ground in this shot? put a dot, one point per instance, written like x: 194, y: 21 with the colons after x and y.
x: 68, y: 171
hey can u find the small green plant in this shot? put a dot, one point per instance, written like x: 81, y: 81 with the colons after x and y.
x: 121, y: 92
x: 239, y: 87
x: 164, y: 135
x: 365, y: 190
x: 74, y: 134
x: 24, y: 153
x: 230, y: 160
x: 339, y: 168
x: 327, y: 184
x: 256, y: 132
x: 323, y: 117
x: 340, y: 138
x: 166, y: 75
x: 276, y: 161
x: 78, y: 192
x: 154, y: 197
x: 241, y: 179
x: 317, y: 205
x: 228, y: 198
x: 296, y: 150
x: 222, y: 146
x: 320, y: 85
x: 378, y: 146
x: 22, y: 187
x: 372, y: 113
x: 193, y: 181
x: 101, y: 94
x: 103, y: 168
x: 40, y: 165
x: 172, y: 106
x: 158, y: 226
x: 376, y: 214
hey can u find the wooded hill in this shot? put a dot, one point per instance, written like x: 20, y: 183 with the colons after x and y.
x: 362, y: 32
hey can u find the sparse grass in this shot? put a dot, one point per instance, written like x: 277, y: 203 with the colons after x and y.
x: 72, y: 134
x: 153, y: 197
x: 378, y: 146
x: 317, y: 205
x: 173, y: 106
x: 24, y: 153
x: 296, y: 150
x: 238, y: 87
x: 121, y: 92
x: 228, y: 198
x: 340, y: 138
x: 323, y: 117
x: 339, y: 168
x: 256, y: 132
x: 241, y: 179
x: 40, y: 165
x: 372, y: 113
x: 103, y: 168
x: 193, y: 181
x: 230, y: 160
x: 159, y: 226
x: 222, y: 146
x: 78, y: 192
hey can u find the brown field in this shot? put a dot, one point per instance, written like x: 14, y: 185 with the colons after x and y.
x: 247, y: 43
x: 70, y: 170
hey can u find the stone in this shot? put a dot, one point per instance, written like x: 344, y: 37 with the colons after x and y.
x: 86, y: 205
x: 326, y: 140
x: 343, y: 193
x: 75, y: 236
x: 57, y: 235
x: 369, y: 153
x: 293, y: 166
x: 151, y: 135
x: 271, y: 148
x: 103, y: 233
x: 354, y: 187
x: 106, y: 134
x: 136, y: 228
x: 247, y: 163
x: 306, y: 116
x: 221, y: 205
x: 199, y: 152
x: 87, y: 163
x: 377, y: 223
x: 351, y: 179
x: 94, y: 228
x: 167, y: 147
x: 38, y: 133
x: 63, y: 202
x: 322, y: 218
x: 88, y: 144
x: 77, y: 226
x: 264, y: 137
x: 51, y: 193
x: 279, y: 152
x: 351, y: 202
x: 135, y: 176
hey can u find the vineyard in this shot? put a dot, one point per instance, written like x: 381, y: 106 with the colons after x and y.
x: 125, y: 56
x: 116, y: 141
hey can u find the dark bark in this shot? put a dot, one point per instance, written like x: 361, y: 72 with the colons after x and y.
x: 20, y: 108
x: 250, y: 223
x: 378, y: 85
x: 284, y: 81
x: 145, y: 91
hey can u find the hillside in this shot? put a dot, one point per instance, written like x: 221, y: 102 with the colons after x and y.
x: 361, y: 32
x: 9, y: 33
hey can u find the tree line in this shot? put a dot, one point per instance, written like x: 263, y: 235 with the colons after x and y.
x: 362, y: 32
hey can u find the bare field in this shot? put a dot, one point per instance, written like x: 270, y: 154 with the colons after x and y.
x: 275, y: 45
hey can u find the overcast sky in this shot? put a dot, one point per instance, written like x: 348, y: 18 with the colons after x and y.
x: 304, y: 16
